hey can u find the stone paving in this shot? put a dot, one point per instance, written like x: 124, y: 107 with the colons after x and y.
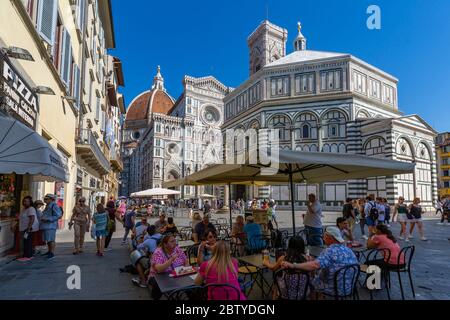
x: 100, y: 277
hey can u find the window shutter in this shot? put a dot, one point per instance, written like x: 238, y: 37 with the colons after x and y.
x: 66, y: 62
x: 47, y: 11
x: 76, y: 85
x: 81, y: 14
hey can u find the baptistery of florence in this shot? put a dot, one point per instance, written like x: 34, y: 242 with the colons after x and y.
x: 330, y: 102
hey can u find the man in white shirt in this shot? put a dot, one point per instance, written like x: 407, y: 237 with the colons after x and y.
x: 313, y: 221
x: 381, y: 210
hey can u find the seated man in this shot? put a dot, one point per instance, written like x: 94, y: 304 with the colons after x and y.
x: 161, y: 223
x: 343, y: 226
x: 139, y: 231
x: 336, y: 256
x: 254, y: 234
x: 146, y: 245
x: 201, y: 228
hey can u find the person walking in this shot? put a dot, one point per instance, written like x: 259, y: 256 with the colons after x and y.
x: 49, y: 223
x: 80, y: 220
x: 416, y: 211
x: 444, y: 209
x: 401, y: 212
x: 128, y: 223
x: 359, y: 211
x: 100, y: 220
x: 371, y: 214
x: 28, y: 224
x: 111, y: 227
x: 348, y: 213
x: 313, y: 221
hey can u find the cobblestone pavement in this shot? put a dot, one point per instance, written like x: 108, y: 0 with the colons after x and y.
x: 100, y: 277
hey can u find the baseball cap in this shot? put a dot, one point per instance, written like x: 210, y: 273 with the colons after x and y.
x: 335, y: 233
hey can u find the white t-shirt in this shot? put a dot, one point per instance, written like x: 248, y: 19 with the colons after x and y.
x: 313, y: 217
x: 25, y: 217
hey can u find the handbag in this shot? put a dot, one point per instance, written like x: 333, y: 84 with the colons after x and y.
x: 93, y: 232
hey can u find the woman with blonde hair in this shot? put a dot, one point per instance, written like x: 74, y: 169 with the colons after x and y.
x: 220, y: 269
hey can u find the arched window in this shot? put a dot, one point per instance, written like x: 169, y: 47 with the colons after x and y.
x: 283, y: 124
x: 362, y: 114
x: 306, y: 126
x: 375, y: 146
x: 335, y: 122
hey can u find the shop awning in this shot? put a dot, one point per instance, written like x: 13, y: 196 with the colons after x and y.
x: 24, y: 151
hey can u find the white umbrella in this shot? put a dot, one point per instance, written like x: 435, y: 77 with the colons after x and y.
x: 154, y: 193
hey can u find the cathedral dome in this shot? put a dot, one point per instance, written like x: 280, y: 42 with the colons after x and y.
x: 155, y: 100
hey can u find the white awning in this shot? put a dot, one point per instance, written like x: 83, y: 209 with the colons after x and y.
x: 24, y: 151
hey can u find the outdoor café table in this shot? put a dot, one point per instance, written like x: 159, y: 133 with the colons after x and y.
x: 256, y: 261
x: 168, y: 284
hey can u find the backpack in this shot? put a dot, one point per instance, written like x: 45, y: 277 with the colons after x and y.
x: 373, y: 213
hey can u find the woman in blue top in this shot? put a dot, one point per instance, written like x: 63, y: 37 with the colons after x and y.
x: 100, y: 220
x: 206, y: 248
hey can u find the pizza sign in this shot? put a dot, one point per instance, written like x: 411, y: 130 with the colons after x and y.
x: 17, y: 97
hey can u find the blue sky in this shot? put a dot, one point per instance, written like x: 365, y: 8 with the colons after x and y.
x: 201, y: 38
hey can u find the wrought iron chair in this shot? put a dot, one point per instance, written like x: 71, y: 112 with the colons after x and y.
x: 291, y: 285
x: 348, y: 274
x: 222, y: 291
x: 376, y: 257
x: 406, y: 254
x: 192, y: 293
x: 192, y: 253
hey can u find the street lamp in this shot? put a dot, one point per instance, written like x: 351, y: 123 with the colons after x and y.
x: 18, y: 53
x: 44, y: 90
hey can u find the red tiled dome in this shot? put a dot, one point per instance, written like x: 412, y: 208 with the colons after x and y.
x: 157, y: 100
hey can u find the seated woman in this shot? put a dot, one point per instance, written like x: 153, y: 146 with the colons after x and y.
x: 294, y: 254
x: 164, y: 260
x: 254, y: 234
x: 383, y: 239
x: 170, y: 227
x: 220, y: 269
x: 205, y: 249
x: 238, y: 235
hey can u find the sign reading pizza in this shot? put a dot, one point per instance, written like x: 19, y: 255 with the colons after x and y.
x: 16, y: 96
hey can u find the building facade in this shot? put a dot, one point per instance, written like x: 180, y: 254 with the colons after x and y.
x: 58, y: 50
x: 330, y: 102
x: 443, y: 163
x: 166, y: 139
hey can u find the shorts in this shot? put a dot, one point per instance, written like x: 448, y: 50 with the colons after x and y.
x: 49, y: 235
x: 100, y: 233
x: 145, y: 263
x: 402, y: 217
x: 370, y: 222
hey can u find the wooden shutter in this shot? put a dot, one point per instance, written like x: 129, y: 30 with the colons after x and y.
x: 46, y: 21
x: 66, y: 58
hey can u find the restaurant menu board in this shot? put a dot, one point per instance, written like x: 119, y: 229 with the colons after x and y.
x: 16, y: 96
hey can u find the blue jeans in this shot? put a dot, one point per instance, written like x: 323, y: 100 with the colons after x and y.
x: 314, y: 236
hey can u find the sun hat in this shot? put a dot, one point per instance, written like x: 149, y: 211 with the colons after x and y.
x: 250, y: 218
x: 335, y: 233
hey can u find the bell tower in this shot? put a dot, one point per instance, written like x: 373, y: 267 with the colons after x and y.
x: 266, y: 44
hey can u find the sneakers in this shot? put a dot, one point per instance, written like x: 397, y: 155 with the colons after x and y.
x: 407, y: 240
x: 400, y: 238
x: 137, y: 282
x: 424, y: 239
x: 365, y: 237
x: 410, y: 236
x: 107, y: 249
x: 50, y: 256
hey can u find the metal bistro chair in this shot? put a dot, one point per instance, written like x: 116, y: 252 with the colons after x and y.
x: 407, y: 253
x: 237, y: 245
x: 222, y: 291
x: 222, y: 221
x: 186, y: 233
x: 341, y: 276
x: 376, y: 257
x: 257, y: 244
x: 192, y: 253
x: 192, y: 293
x: 285, y: 239
x: 291, y: 285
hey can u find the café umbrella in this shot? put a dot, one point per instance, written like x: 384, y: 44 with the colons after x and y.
x: 155, y: 192
x: 292, y: 167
